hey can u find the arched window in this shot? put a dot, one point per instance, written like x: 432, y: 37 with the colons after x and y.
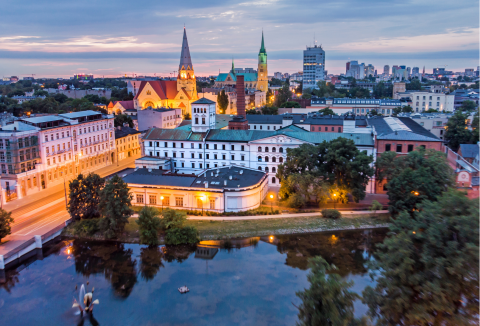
x: 260, y: 168
x: 259, y: 158
x: 266, y: 158
x: 274, y: 169
x: 274, y: 180
x: 280, y: 159
x: 266, y: 169
x: 281, y: 150
x: 274, y: 159
x: 259, y: 149
x: 274, y: 149
x: 266, y: 149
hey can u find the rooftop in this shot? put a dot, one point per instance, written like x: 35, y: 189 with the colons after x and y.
x: 400, y: 128
x: 124, y: 132
x: 469, y: 150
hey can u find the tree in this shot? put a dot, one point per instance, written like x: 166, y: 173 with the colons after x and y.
x: 407, y: 109
x: 179, y: 236
x: 252, y: 111
x: 121, y: 119
x: 375, y: 207
x: 327, y: 111
x: 328, y: 300
x: 115, y: 206
x: 269, y: 97
x: 413, y: 85
x: 290, y: 104
x: 457, y: 132
x: 172, y: 219
x: 222, y: 101
x: 187, y: 116
x: 468, y: 106
x: 84, y: 196
x: 475, y: 136
x: 428, y: 267
x: 283, y: 95
x: 423, y: 174
x: 40, y: 92
x: 5, y: 220
x: 149, y: 225
x: 272, y: 110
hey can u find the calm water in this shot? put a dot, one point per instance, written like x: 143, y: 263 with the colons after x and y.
x: 242, y: 282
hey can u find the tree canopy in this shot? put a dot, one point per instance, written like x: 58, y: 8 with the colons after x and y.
x: 428, y: 267
x: 84, y: 196
x: 457, y: 131
x: 120, y: 119
x: 423, y: 174
x: 222, y: 101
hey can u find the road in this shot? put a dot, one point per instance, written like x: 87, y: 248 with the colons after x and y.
x: 40, y: 212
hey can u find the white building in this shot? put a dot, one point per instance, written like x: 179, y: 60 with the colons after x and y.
x: 200, y: 148
x: 36, y: 153
x: 313, y: 66
x: 422, y: 101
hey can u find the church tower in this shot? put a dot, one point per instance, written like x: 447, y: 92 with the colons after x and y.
x: 262, y: 73
x: 186, y: 75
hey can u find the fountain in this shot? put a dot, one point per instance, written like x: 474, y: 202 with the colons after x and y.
x: 85, y: 303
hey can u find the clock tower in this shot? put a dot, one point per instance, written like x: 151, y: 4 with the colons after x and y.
x: 262, y: 73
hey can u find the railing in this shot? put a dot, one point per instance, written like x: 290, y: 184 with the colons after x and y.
x: 16, y: 250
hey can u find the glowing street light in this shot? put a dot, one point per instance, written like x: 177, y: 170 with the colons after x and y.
x: 271, y: 202
x: 334, y: 200
x: 161, y: 198
x: 203, y: 198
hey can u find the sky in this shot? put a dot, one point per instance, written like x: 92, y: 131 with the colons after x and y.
x: 113, y: 38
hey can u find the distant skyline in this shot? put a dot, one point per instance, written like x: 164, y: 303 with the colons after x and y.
x: 113, y: 38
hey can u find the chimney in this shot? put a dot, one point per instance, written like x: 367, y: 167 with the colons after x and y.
x: 224, y: 182
x: 241, y: 96
x: 206, y: 184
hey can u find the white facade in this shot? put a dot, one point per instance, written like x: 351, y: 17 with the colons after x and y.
x: 423, y: 101
x: 203, y: 115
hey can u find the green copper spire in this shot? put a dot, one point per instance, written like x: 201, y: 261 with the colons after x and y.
x: 262, y: 48
x: 233, y: 67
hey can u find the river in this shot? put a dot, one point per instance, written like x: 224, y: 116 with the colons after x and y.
x: 237, y: 282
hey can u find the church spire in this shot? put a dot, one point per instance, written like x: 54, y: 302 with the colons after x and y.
x: 262, y: 48
x: 233, y: 67
x: 185, y: 59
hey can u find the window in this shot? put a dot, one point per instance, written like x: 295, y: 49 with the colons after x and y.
x: 274, y: 169
x: 223, y: 147
x: 212, y: 203
x: 199, y: 203
x: 192, y: 155
x: 207, y: 156
x: 410, y: 148
x: 274, y: 159
x: 139, y: 199
x: 266, y: 169
x: 399, y: 148
x: 223, y: 157
x: 206, y: 146
x: 274, y: 180
x: 166, y: 201
x: 339, y: 129
x: 193, y: 165
x: 233, y: 157
x: 260, y: 159
x: 174, y: 145
x: 203, y: 121
x: 388, y: 147
x: 260, y: 168
x: 259, y: 149
x: 215, y: 156
x: 266, y: 149
x: 152, y: 199
x: 232, y: 147
x: 199, y: 155
x: 214, y: 146
x: 165, y: 144
x: 179, y: 201
x: 266, y: 158
x: 200, y: 146
x: 281, y: 150
x: 243, y: 158
x: 243, y: 148
x: 280, y: 159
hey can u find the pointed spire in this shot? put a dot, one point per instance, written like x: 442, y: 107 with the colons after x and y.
x: 262, y: 48
x: 233, y: 67
x: 185, y: 59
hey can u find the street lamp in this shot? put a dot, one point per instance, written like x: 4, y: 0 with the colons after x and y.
x: 334, y: 200
x: 202, y: 199
x: 271, y: 202
x: 161, y: 198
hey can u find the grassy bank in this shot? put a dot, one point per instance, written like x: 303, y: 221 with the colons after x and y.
x: 210, y: 230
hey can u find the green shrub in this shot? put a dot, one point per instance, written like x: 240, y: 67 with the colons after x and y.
x: 331, y: 213
x: 178, y: 236
x: 149, y: 225
x: 173, y: 219
x: 87, y: 226
x: 296, y: 201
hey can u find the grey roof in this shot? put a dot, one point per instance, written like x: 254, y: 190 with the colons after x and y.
x: 157, y: 178
x: 475, y: 181
x: 46, y: 118
x: 79, y: 114
x: 247, y: 178
x: 221, y: 121
x: 416, y: 133
x: 185, y: 59
x: 124, y: 132
x: 203, y: 100
x: 469, y: 150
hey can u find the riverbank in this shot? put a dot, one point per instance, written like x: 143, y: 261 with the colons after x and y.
x: 225, y: 229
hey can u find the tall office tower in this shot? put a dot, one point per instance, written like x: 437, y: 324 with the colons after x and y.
x: 313, y: 66
x: 386, y: 70
x: 415, y: 72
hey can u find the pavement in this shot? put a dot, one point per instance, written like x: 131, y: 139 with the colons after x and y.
x: 41, y: 212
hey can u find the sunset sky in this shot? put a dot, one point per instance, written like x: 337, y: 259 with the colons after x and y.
x: 112, y: 38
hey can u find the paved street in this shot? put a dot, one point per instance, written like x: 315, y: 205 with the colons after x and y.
x: 41, y: 212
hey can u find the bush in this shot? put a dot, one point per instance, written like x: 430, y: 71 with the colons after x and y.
x: 87, y: 227
x: 331, y: 213
x: 178, y: 236
x: 173, y: 219
x: 296, y: 201
x: 149, y: 225
x: 6, y: 220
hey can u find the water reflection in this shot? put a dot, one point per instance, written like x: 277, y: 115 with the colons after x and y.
x: 110, y: 259
x: 236, y: 281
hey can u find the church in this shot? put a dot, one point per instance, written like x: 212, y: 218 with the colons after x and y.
x: 178, y: 93
x: 257, y: 80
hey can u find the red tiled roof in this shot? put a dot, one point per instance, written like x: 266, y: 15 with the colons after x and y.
x: 164, y: 88
x: 110, y: 105
x: 181, y: 105
x: 126, y: 104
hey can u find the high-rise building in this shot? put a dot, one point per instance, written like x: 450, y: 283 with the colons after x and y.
x: 369, y: 70
x: 415, y: 72
x: 409, y: 71
x: 356, y: 70
x: 313, y: 66
x: 386, y: 70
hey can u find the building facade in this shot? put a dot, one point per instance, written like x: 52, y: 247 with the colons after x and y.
x: 422, y: 101
x: 127, y: 143
x: 313, y: 66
